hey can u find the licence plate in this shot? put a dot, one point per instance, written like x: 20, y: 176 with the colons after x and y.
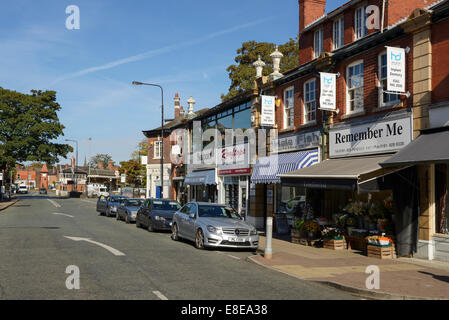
x: 236, y: 239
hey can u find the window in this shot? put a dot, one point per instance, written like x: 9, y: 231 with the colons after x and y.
x: 318, y: 43
x: 385, y: 98
x: 310, y: 101
x: 157, y: 149
x: 339, y: 33
x: 354, y: 82
x: 360, y: 28
x: 288, y: 108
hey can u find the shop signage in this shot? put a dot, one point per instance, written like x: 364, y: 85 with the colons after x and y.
x: 396, y: 69
x: 328, y: 91
x: 234, y: 160
x: 267, y: 117
x: 379, y: 137
x: 123, y: 178
x: 1, y: 176
x: 297, y: 142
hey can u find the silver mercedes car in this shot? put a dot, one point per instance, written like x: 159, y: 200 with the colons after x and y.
x: 213, y: 225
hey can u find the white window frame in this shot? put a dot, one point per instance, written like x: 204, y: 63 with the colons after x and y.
x: 382, y: 85
x: 360, y: 28
x: 318, y: 47
x: 157, y: 149
x: 309, y: 102
x: 338, y: 33
x: 349, y: 89
x: 289, y: 108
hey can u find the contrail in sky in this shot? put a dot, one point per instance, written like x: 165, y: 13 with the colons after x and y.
x: 155, y: 52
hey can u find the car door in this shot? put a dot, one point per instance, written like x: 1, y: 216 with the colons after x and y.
x: 190, y: 222
x: 141, y: 212
x: 101, y: 203
x: 182, y: 218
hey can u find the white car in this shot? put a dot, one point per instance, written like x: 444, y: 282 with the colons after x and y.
x: 22, y: 189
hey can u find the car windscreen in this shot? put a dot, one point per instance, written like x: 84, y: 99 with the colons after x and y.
x: 133, y: 203
x: 166, y: 205
x: 117, y: 199
x: 217, y: 212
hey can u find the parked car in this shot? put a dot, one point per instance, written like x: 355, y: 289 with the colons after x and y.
x: 213, y: 225
x: 42, y: 191
x: 127, y: 210
x: 157, y: 214
x: 108, y: 205
x: 22, y: 189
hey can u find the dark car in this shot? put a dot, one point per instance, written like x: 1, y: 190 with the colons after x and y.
x: 128, y: 208
x: 157, y: 214
x: 42, y: 191
x: 109, y: 205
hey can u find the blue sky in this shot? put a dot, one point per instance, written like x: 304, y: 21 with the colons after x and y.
x: 185, y: 46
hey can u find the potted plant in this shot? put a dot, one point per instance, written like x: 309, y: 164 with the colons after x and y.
x: 350, y: 224
x: 311, y: 227
x: 297, y: 230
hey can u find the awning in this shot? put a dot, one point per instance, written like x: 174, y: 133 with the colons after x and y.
x: 432, y: 146
x: 344, y: 173
x: 267, y: 169
x: 197, y: 178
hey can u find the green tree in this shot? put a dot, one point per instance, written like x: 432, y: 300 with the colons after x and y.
x: 243, y: 73
x: 100, y: 157
x: 142, y: 150
x: 133, y: 170
x: 29, y: 124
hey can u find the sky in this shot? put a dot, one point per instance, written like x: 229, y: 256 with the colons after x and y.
x: 184, y: 46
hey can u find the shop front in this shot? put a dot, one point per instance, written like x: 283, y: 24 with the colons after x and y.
x: 268, y: 195
x: 351, y: 195
x: 202, y: 185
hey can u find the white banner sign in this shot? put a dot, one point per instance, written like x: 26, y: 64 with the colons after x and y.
x: 370, y: 138
x: 123, y: 178
x: 267, y: 118
x: 395, y: 69
x: 328, y: 91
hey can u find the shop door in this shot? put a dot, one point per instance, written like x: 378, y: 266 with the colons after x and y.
x: 158, y: 192
x: 243, y: 197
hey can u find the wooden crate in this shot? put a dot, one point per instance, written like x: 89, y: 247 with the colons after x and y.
x: 356, y: 243
x: 335, y: 244
x: 380, y: 252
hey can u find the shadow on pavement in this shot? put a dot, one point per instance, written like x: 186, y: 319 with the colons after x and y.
x: 437, y: 277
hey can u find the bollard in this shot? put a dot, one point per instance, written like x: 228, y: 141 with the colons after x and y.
x: 268, y: 251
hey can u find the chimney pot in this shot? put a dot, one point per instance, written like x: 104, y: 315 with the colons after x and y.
x: 309, y: 11
x: 177, y: 100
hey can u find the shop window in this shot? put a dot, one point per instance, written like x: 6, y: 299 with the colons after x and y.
x: 290, y: 200
x: 354, y: 87
x: 310, y: 101
x: 385, y: 99
x: 242, y: 119
x: 288, y: 108
x: 442, y: 198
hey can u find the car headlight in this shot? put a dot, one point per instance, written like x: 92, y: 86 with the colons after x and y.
x: 159, y: 218
x: 213, y: 229
x: 253, y: 232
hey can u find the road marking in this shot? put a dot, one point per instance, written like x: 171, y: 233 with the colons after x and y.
x: 63, y: 214
x: 110, y: 249
x: 160, y: 295
x: 57, y: 205
x: 234, y: 257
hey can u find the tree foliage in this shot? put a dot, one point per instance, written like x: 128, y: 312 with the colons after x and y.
x: 29, y: 124
x: 142, y: 150
x: 133, y: 170
x: 243, y: 73
x: 100, y: 157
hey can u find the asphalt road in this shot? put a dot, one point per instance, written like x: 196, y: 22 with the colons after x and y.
x: 35, y: 253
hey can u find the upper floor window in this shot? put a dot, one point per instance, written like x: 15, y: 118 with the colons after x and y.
x: 354, y: 73
x: 339, y: 33
x: 385, y: 99
x: 157, y: 149
x: 310, y: 101
x: 288, y: 108
x: 360, y: 28
x: 318, y: 43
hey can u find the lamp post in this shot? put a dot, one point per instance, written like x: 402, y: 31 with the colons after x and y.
x: 76, y: 163
x: 137, y: 83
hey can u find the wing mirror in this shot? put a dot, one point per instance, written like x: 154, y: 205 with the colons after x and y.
x: 191, y: 215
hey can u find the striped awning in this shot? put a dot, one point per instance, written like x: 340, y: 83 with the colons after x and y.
x: 267, y: 169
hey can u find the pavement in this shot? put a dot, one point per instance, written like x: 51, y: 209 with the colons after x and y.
x: 7, y: 204
x: 400, y: 279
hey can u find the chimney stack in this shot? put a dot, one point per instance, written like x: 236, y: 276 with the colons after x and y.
x: 309, y: 11
x: 111, y: 165
x: 181, y: 111
x: 177, y: 111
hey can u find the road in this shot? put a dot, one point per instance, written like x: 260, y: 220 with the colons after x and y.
x: 37, y: 245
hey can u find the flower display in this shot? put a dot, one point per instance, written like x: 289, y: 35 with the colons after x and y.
x: 311, y: 226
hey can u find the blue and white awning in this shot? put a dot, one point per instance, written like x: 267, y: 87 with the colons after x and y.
x: 267, y: 169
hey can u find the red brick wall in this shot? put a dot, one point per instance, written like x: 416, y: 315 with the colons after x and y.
x: 440, y: 62
x: 167, y: 150
x: 400, y: 9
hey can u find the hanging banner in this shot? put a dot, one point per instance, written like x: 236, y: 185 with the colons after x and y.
x: 328, y: 91
x: 267, y: 118
x: 396, y: 69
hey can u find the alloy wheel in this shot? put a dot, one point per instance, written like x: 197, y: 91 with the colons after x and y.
x: 174, y: 234
x: 199, y: 239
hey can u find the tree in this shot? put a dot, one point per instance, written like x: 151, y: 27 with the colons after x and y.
x: 243, y: 74
x: 142, y: 150
x: 133, y: 170
x: 100, y: 157
x: 29, y: 124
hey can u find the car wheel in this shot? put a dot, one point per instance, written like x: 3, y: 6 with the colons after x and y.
x: 137, y: 223
x: 199, y: 239
x: 117, y: 216
x: 150, y: 226
x: 175, y: 235
x: 127, y: 219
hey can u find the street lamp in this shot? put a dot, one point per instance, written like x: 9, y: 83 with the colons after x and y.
x: 76, y: 162
x: 137, y: 83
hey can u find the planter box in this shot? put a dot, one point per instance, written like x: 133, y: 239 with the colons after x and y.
x: 379, y: 252
x: 335, y: 244
x: 300, y: 238
x: 356, y: 243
